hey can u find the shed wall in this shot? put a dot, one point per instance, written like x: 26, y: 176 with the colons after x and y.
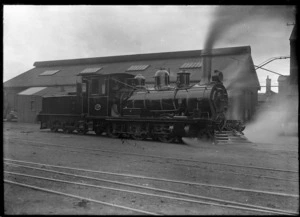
x: 28, y: 108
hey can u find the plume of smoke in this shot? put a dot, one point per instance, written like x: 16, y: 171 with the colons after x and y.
x: 235, y: 84
x: 236, y: 19
x: 238, y: 23
x: 274, y: 123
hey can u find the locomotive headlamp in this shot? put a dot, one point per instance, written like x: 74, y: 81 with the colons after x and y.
x: 217, y: 76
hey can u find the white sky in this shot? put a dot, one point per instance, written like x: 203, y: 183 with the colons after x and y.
x: 42, y: 33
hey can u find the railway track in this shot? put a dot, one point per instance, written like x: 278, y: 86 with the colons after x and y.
x: 245, y: 140
x: 34, y: 171
x: 74, y: 196
x: 240, y: 170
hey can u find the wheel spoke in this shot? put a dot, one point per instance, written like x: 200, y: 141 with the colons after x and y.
x: 139, y: 136
x: 55, y: 126
x: 167, y: 138
x: 98, y: 131
x: 110, y: 133
x: 137, y: 132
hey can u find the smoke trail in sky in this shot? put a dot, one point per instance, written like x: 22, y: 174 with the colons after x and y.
x: 236, y: 20
x: 241, y: 23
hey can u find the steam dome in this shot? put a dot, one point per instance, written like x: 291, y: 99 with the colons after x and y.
x: 162, y: 79
x: 140, y: 81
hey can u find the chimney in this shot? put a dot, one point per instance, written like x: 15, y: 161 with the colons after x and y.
x: 293, y: 57
x: 268, y: 85
x: 206, y: 66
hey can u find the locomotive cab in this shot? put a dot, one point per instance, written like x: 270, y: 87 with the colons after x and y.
x: 105, y: 93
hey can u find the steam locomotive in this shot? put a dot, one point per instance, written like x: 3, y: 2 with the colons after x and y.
x: 121, y: 105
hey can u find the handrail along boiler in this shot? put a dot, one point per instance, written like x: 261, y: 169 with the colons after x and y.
x: 121, y: 105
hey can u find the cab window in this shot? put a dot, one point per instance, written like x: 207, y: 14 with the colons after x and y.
x: 83, y: 87
x: 95, y: 86
x: 102, y: 87
x: 98, y: 86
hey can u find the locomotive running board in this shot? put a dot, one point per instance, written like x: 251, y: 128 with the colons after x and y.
x: 229, y: 137
x: 158, y: 120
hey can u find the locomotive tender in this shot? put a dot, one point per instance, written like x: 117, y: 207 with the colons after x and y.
x: 121, y: 105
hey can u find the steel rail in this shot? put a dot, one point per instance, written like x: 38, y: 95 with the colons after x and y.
x: 224, y: 171
x: 157, y: 156
x: 258, y: 208
x: 78, y: 197
x: 157, y: 179
x: 244, y: 174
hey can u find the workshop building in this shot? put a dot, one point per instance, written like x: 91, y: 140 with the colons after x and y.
x: 236, y: 63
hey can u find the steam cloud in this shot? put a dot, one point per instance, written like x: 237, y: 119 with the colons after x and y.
x: 195, y: 142
x: 237, y: 23
x: 273, y: 121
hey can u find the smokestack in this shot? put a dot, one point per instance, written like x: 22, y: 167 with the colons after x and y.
x: 268, y: 85
x: 206, y: 67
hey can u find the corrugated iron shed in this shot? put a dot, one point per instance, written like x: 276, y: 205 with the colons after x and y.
x: 236, y: 64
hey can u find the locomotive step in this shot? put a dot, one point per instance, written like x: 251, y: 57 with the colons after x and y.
x: 221, y: 138
x: 232, y: 142
x: 237, y: 138
x: 229, y: 137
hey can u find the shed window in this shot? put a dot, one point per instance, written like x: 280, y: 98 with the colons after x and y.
x: 49, y: 72
x: 90, y: 70
x: 137, y: 67
x: 191, y: 65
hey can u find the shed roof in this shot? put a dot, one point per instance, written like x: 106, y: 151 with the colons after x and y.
x: 235, y: 63
x: 266, y: 97
x: 31, y: 91
x: 47, y: 91
x: 283, y: 78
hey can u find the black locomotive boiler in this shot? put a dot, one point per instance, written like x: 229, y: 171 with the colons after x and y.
x: 122, y: 106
